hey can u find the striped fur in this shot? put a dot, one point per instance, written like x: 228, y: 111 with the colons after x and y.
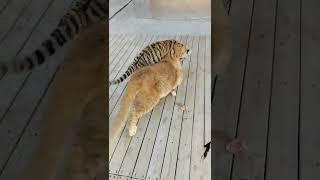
x: 83, y: 14
x: 152, y: 54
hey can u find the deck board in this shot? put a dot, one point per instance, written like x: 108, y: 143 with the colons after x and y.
x: 144, y: 155
x: 228, y: 89
x: 309, y: 136
x: 133, y: 152
x: 254, y: 109
x: 27, y: 89
x: 282, y: 161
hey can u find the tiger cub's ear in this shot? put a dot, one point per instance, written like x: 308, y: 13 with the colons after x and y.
x: 172, y: 52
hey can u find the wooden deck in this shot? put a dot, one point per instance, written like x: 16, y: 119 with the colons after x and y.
x: 23, y: 25
x: 270, y: 95
x: 169, y: 142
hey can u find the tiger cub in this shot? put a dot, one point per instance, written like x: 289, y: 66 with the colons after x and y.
x: 147, y: 86
x: 82, y: 15
x: 152, y: 54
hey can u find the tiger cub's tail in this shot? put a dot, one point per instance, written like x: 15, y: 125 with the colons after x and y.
x: 69, y: 26
x: 124, y: 76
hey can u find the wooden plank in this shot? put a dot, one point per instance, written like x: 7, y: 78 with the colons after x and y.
x: 125, y: 140
x: 282, y: 155
x: 22, y: 108
x: 130, y: 53
x: 14, y: 43
x: 143, y: 160
x: 118, y: 58
x: 20, y: 111
x: 10, y: 16
x: 123, y: 146
x: 159, y: 146
x: 115, y: 6
x: 310, y: 88
x: 198, y: 168
x: 23, y: 152
x: 11, y: 85
x: 227, y: 95
x: 118, y: 47
x: 112, y: 115
x: 9, y: 88
x: 115, y: 91
x: 254, y: 112
x: 184, y: 154
x: 112, y: 45
x: 171, y: 153
x: 112, y: 38
x: 207, y: 90
x: 146, y: 148
x: 114, y: 58
x: 134, y: 148
x: 120, y: 177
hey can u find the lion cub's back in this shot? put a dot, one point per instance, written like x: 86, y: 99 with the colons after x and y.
x: 159, y: 77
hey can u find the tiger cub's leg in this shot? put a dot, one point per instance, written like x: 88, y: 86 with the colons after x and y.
x: 144, y: 103
x: 88, y: 156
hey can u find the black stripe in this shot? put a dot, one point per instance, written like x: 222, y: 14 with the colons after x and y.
x: 40, y: 56
x: 74, y: 22
x: 154, y: 57
x: 65, y: 26
x: 158, y: 52
x: 30, y: 62
x: 68, y: 30
x: 140, y: 63
x: 142, y: 59
x: 102, y: 7
x: 58, y: 37
x: 80, y: 17
x: 49, y: 46
x: 121, y: 79
x: 94, y: 12
x: 131, y: 69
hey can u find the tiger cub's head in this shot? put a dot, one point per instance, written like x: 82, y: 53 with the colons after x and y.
x: 180, y: 51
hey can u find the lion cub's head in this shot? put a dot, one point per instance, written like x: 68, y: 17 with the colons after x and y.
x: 180, y: 51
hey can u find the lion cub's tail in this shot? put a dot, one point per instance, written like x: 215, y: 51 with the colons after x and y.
x: 125, y: 107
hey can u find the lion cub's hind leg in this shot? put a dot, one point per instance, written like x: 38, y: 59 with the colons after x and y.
x: 173, y: 92
x: 144, y: 103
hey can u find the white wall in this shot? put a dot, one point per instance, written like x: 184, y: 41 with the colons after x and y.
x: 172, y: 8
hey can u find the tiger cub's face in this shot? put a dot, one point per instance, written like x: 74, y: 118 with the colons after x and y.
x: 180, y: 51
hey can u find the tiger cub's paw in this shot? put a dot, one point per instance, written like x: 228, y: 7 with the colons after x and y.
x: 173, y: 93
x: 132, y: 130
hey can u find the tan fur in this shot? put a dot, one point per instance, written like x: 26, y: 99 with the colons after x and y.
x: 77, y: 106
x: 146, y: 87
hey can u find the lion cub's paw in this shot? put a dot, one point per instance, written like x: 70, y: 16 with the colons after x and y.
x: 132, y: 130
x: 173, y: 93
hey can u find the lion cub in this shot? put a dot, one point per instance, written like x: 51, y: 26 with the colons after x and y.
x: 147, y: 86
